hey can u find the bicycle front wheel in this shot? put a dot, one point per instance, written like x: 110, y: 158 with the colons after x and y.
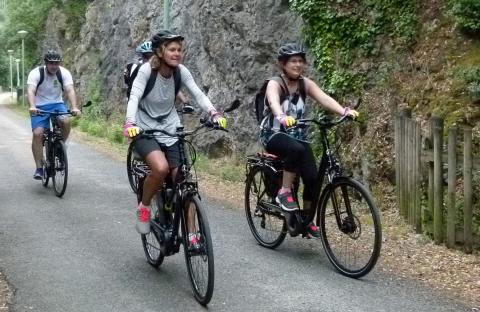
x: 198, y: 256
x: 151, y: 241
x: 45, y: 165
x: 268, y: 226
x: 60, y: 168
x: 350, y: 227
x: 132, y: 177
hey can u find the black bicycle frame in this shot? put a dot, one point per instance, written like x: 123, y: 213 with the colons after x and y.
x: 181, y: 190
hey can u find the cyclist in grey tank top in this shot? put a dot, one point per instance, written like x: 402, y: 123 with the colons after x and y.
x: 293, y: 149
x: 156, y: 111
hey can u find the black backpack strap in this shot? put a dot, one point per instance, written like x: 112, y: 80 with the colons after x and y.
x: 301, y: 88
x: 131, y: 78
x: 150, y: 83
x: 42, y: 77
x: 177, y: 80
x: 60, y: 77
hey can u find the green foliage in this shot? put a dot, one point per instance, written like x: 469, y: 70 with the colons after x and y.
x: 31, y: 15
x: 341, y: 32
x: 466, y: 14
x: 75, y: 12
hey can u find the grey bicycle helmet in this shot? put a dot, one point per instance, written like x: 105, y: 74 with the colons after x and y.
x: 52, y: 56
x: 145, y: 47
x: 165, y: 36
x: 290, y: 49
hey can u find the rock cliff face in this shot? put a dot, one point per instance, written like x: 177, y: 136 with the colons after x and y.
x: 230, y: 49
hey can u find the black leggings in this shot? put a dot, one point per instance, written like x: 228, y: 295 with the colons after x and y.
x: 298, y: 157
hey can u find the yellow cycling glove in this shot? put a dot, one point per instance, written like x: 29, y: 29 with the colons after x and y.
x: 130, y: 130
x: 286, y: 121
x: 218, y: 119
x: 351, y: 112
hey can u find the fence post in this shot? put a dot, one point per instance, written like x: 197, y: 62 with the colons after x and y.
x: 437, y: 179
x: 430, y: 193
x: 405, y: 114
x: 418, y: 178
x: 452, y: 181
x: 467, y: 180
x: 409, y: 162
x: 398, y: 157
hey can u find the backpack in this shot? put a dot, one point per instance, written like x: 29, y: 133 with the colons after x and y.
x: 42, y: 77
x: 129, y: 76
x: 261, y: 105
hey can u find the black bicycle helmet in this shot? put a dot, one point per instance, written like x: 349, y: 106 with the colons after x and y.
x: 52, y: 56
x: 290, y: 49
x: 164, y: 36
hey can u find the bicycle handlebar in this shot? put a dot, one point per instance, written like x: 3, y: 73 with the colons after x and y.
x: 41, y: 112
x: 181, y: 132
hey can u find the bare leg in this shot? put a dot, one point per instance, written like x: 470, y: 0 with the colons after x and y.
x: 159, y: 170
x: 64, y: 124
x: 37, y: 146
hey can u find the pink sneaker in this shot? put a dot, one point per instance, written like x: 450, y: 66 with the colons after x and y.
x: 143, y: 219
x: 194, y: 241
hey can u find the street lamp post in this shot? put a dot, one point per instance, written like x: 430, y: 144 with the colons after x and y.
x: 10, y: 54
x: 18, y: 72
x: 22, y: 34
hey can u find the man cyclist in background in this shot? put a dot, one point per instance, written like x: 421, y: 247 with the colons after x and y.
x: 46, y: 85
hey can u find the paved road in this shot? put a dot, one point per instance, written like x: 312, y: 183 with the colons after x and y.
x: 81, y: 253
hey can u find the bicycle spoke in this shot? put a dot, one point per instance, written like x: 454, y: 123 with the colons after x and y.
x: 267, y: 226
x: 199, y: 256
x: 151, y: 243
x: 351, y: 238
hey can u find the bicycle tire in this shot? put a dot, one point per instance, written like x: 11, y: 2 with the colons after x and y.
x: 364, y: 234
x: 132, y: 178
x: 60, y: 168
x: 45, y: 166
x: 202, y: 287
x: 151, y: 242
x: 268, y: 229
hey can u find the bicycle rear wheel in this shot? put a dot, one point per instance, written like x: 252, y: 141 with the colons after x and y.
x: 268, y: 226
x: 132, y: 177
x: 151, y: 241
x: 353, y: 247
x: 60, y: 168
x: 199, y: 259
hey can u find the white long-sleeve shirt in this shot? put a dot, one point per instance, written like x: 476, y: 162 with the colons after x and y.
x: 157, y: 109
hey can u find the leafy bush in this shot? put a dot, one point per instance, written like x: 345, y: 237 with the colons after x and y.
x: 467, y: 14
x: 339, y: 33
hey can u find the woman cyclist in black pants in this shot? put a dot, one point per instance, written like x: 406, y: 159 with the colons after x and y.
x: 285, y: 96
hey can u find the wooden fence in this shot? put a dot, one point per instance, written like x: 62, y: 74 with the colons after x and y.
x: 420, y: 170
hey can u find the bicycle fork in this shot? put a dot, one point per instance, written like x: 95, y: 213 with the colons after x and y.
x: 347, y: 225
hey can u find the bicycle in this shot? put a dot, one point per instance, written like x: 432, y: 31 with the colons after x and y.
x: 54, y: 159
x: 345, y: 212
x: 177, y: 207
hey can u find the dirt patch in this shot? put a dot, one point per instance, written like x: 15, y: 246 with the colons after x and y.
x: 6, y: 294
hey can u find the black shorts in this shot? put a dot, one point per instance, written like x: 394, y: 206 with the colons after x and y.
x: 145, y: 145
